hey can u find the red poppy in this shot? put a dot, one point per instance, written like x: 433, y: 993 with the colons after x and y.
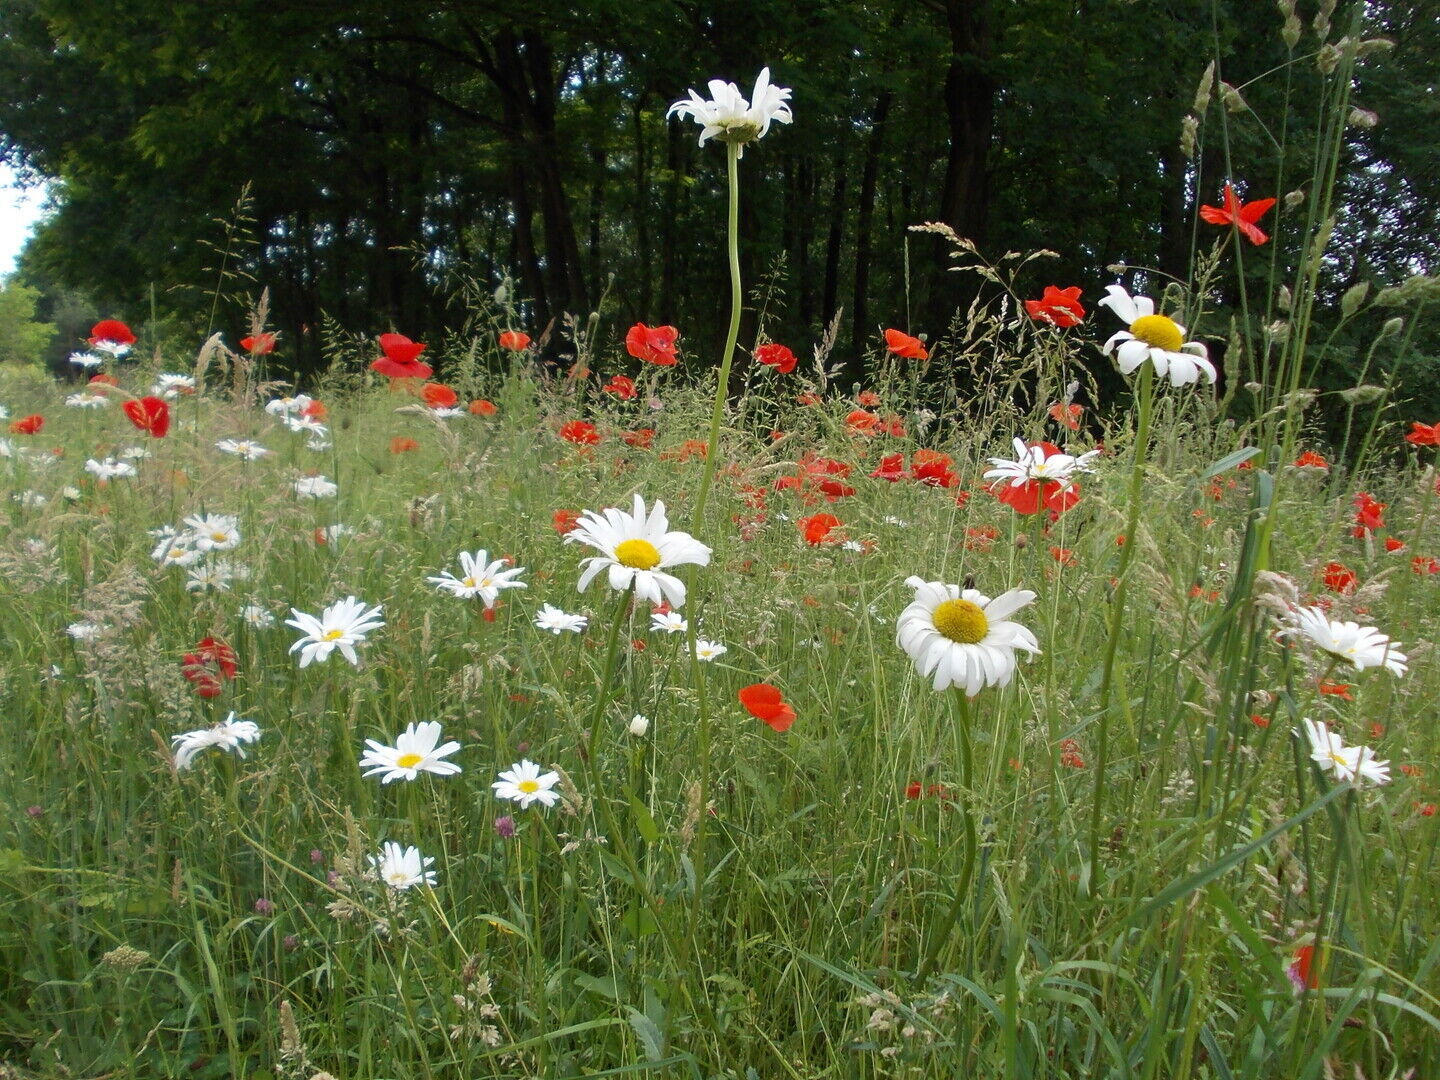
x: 149, y: 414
x: 1339, y: 578
x: 817, y: 528
x: 400, y: 444
x: 209, y: 665
x: 622, y: 386
x: 483, y: 407
x: 1301, y: 970
x: 1070, y: 754
x: 861, y: 422
x: 315, y: 410
x: 401, y: 358
x: 1425, y: 564
x: 1368, y: 515
x: 103, y: 380
x: 1242, y: 215
x: 776, y: 356
x: 111, y: 331
x: 565, y: 520
x: 1069, y: 415
x: 867, y: 398
x: 653, y: 344
x: 514, y: 340
x: 1336, y: 689
x: 581, y: 432
x: 1392, y: 544
x: 808, y: 398
x: 932, y: 468
x: 27, y: 425
x: 1059, y: 307
x: 764, y: 702
x: 439, y: 396
x: 911, y: 348
x: 258, y: 344
x: 815, y: 465
x: 686, y: 451
x: 1063, y: 555
x: 1310, y: 459
x: 834, y: 489
x: 640, y: 438
x: 1259, y: 721
x: 1424, y: 434
x: 892, y: 468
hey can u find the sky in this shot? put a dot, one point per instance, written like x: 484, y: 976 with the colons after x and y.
x: 19, y: 211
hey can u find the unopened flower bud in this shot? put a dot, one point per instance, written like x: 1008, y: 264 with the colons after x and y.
x: 1362, y: 118
x: 1392, y: 326
x: 1232, y: 99
x: 1362, y: 395
x: 1294, y: 199
x: 1282, y: 298
x: 639, y: 725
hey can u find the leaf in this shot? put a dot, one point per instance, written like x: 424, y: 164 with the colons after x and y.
x: 644, y: 821
x: 1229, y: 461
x: 652, y: 1041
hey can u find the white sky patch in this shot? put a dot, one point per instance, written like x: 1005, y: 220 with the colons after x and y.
x: 20, y: 211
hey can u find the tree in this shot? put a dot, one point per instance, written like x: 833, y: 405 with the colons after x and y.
x: 23, y: 339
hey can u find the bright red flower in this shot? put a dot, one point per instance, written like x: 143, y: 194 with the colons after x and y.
x: 209, y: 665
x: 834, y: 489
x: 1392, y: 544
x: 1339, y: 578
x: 911, y: 348
x: 817, y: 528
x: 816, y: 465
x: 400, y: 444
x: 1069, y: 415
x: 1425, y: 564
x: 1059, y: 307
x: 653, y: 344
x: 315, y: 410
x: 1336, y: 689
x: 514, y: 340
x: 103, y: 380
x: 439, y: 396
x: 1312, y: 460
x: 640, y: 438
x: 861, y: 422
x: 581, y: 432
x: 776, y: 356
x: 1301, y: 970
x: 892, y: 468
x: 1424, y: 434
x: 622, y: 386
x: 112, y: 330
x: 149, y: 414
x: 27, y: 425
x: 1368, y: 515
x: 1070, y: 754
x: 764, y: 702
x: 401, y: 358
x: 686, y: 451
x: 1063, y: 555
x: 932, y: 468
x: 868, y: 398
x: 1242, y: 215
x: 483, y: 407
x: 565, y: 520
x: 258, y: 344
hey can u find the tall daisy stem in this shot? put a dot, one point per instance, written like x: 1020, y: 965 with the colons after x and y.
x: 722, y: 382
x: 962, y: 885
x: 1146, y: 394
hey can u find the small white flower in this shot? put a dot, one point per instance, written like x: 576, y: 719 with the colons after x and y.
x: 133, y: 453
x: 959, y: 637
x: 448, y: 412
x: 482, y: 578
x: 84, y: 631
x: 669, y: 622
x: 890, y: 519
x: 402, y: 868
x: 317, y: 444
x: 729, y: 117
x: 637, y: 547
x: 244, y: 449
x: 71, y: 494
x: 416, y: 750
x: 639, y: 725
x: 288, y: 406
x: 175, y: 548
x: 557, y: 621
x: 86, y: 360
x: 1329, y: 751
x: 31, y: 499
x: 87, y: 399
x: 257, y: 617
x: 116, y: 349
x: 208, y: 576
x: 1362, y: 646
x: 229, y: 734
x: 298, y: 422
x: 852, y: 545
x: 342, y: 625
x: 524, y: 783
x: 1157, y: 338
x: 705, y: 651
x: 172, y: 386
x: 109, y: 469
x: 315, y: 487
x: 1033, y: 463
x: 214, y: 532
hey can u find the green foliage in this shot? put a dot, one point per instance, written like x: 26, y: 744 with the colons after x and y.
x: 23, y: 338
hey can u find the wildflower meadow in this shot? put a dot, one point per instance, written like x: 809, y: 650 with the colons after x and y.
x: 1056, y: 699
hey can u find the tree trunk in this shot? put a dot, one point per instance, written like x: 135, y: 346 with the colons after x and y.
x: 831, y: 300
x: 970, y: 117
x: 864, y: 222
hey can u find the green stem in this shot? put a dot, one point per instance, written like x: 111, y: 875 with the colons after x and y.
x: 602, y: 689
x: 1146, y: 394
x: 722, y: 383
x: 962, y: 885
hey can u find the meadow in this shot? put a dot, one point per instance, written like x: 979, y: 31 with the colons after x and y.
x: 937, y: 725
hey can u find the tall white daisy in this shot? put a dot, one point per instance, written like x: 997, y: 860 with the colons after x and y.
x: 481, y: 577
x: 636, y: 548
x: 959, y: 637
x: 402, y: 868
x: 229, y: 734
x: 1034, y: 463
x: 558, y: 622
x: 524, y: 783
x: 1157, y: 338
x: 1362, y: 646
x: 416, y: 750
x: 1329, y: 751
x: 729, y: 117
x: 342, y: 625
x: 214, y: 532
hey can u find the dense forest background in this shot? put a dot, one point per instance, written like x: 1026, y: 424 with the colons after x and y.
x: 388, y: 151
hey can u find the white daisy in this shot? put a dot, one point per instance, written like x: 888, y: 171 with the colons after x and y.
x: 342, y: 625
x: 288, y: 406
x: 1329, y: 751
x: 298, y: 422
x: 229, y: 734
x: 557, y: 621
x: 32, y: 499
x: 636, y: 547
x: 315, y: 487
x: 257, y: 617
x: 214, y: 532
x: 176, y: 548
x: 86, y: 360
x: 168, y: 385
x: 416, y: 750
x: 705, y: 651
x: 109, y: 469
x: 524, y: 783
x: 318, y: 444
x: 84, y: 631
x: 402, y: 868
x: 639, y: 725
x: 1157, y: 338
x: 244, y: 449
x: 729, y: 117
x: 132, y: 453
x: 1362, y: 646
x: 1033, y: 463
x: 482, y: 578
x: 668, y: 622
x: 959, y: 636
x: 87, y: 399
x: 208, y: 576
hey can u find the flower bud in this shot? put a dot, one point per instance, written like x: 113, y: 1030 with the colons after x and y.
x: 1294, y: 199
x: 1362, y: 118
x: 639, y: 725
x: 1363, y: 394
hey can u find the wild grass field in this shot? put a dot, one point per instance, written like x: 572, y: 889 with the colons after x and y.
x: 936, y: 725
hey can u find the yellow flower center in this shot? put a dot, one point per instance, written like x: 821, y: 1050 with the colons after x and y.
x: 529, y: 787
x: 1339, y: 760
x: 333, y: 635
x: 961, y: 621
x: 469, y: 583
x: 1159, y: 332
x: 219, y: 537
x: 408, y: 761
x: 637, y: 554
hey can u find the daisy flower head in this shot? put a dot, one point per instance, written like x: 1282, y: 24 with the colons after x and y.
x: 175, y: 548
x: 109, y: 469
x: 668, y: 622
x: 706, y: 651
x: 229, y: 734
x: 168, y: 385
x: 214, y: 532
x: 417, y: 749
x: 482, y: 578
x: 244, y: 449
x: 1362, y: 646
x: 287, y: 406
x: 257, y: 617
x: 86, y: 360
x: 729, y: 117
x: 961, y: 637
x: 87, y: 399
x: 1355, y: 763
x: 524, y: 783
x: 208, y: 576
x: 111, y: 336
x: 402, y: 868
x: 1157, y: 338
x: 636, y: 548
x: 315, y: 487
x: 298, y: 422
x: 342, y: 625
x: 1042, y: 462
x: 558, y: 622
